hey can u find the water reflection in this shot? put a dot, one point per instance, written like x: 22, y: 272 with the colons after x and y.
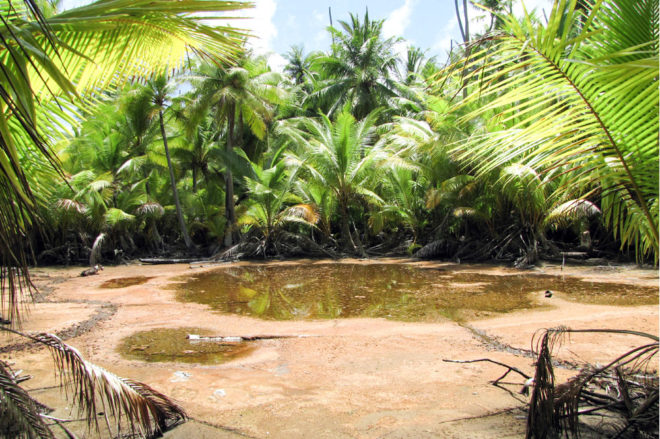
x: 396, y: 291
x: 165, y: 344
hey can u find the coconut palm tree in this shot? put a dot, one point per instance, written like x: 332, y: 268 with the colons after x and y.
x: 359, y: 70
x: 238, y: 96
x: 273, y: 203
x: 299, y: 65
x: 341, y: 156
x: 47, y: 62
x: 158, y: 91
x: 196, y: 150
x: 578, y: 98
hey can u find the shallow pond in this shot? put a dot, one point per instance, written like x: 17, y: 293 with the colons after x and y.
x: 395, y: 291
x: 123, y: 282
x: 173, y: 345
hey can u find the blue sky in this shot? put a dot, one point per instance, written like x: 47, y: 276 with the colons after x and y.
x: 428, y: 24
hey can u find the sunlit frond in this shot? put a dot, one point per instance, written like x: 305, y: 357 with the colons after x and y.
x: 575, y: 98
x: 570, y: 212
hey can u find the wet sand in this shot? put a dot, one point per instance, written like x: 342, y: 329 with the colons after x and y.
x: 352, y: 378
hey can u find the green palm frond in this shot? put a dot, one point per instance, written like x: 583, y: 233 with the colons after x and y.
x: 114, y: 217
x: 96, y: 44
x: 577, y: 97
x: 570, y: 212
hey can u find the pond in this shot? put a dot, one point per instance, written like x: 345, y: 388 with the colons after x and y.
x: 123, y: 282
x: 166, y: 344
x: 394, y: 291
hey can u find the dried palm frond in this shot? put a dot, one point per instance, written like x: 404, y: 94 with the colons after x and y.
x: 71, y: 206
x: 624, y: 391
x: 541, y: 420
x: 95, y: 254
x: 150, y: 209
x: 306, y: 212
x: 19, y: 412
x: 143, y: 409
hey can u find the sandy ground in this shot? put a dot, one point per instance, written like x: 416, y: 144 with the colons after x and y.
x: 356, y: 378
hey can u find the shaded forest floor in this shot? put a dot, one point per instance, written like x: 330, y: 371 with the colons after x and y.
x: 355, y: 378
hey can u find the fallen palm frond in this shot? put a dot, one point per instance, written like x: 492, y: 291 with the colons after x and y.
x: 19, y: 412
x: 623, y: 393
x: 618, y: 400
x: 133, y: 405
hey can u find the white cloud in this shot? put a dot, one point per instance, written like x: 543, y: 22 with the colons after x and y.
x: 398, y: 20
x: 395, y: 25
x: 319, y: 16
x: 442, y: 43
x: 261, y: 26
x: 277, y: 62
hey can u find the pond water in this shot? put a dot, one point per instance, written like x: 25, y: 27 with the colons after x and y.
x: 393, y: 291
x: 123, y: 282
x: 159, y: 345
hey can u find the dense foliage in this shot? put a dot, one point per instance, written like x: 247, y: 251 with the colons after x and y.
x: 527, y: 145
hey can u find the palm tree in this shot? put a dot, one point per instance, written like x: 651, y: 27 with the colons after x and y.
x: 46, y: 64
x: 404, y: 197
x: 197, y: 148
x: 158, y: 90
x: 358, y: 71
x: 273, y: 203
x: 298, y: 66
x: 578, y: 98
x: 237, y: 97
x: 340, y: 155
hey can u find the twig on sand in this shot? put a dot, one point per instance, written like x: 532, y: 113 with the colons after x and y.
x: 510, y: 368
x: 242, y: 338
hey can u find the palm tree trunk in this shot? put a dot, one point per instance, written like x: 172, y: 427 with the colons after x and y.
x: 229, y: 183
x: 464, y: 26
x: 179, y: 213
x: 346, y: 239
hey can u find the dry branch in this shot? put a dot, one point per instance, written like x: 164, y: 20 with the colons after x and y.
x: 625, y: 392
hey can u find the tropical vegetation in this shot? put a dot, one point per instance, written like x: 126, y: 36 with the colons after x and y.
x: 537, y: 139
x: 526, y: 145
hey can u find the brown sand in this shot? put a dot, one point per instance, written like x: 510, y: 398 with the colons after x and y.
x: 357, y: 378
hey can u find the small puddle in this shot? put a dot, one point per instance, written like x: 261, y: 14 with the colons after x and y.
x: 158, y: 345
x: 123, y: 282
x: 393, y: 291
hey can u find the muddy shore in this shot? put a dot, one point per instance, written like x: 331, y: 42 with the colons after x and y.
x: 355, y: 378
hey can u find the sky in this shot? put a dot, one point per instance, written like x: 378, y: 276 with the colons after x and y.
x: 428, y: 24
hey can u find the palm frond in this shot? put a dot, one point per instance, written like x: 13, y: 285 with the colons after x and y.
x: 570, y: 212
x: 20, y: 417
x: 145, y: 410
x: 306, y: 212
x: 71, y: 206
x: 95, y: 254
x: 151, y: 209
x: 575, y: 96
